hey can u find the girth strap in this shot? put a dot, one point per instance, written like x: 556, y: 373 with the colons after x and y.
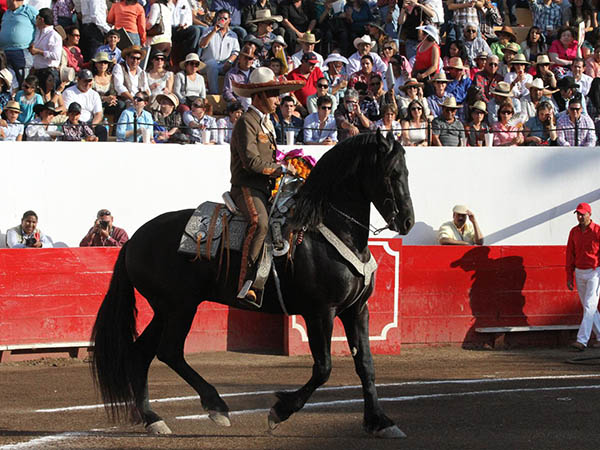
x: 365, y: 269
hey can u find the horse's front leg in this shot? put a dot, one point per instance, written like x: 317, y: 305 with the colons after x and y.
x: 356, y: 325
x: 319, y: 329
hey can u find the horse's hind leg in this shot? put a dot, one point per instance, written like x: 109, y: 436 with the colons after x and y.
x: 319, y: 329
x: 356, y: 325
x: 170, y: 351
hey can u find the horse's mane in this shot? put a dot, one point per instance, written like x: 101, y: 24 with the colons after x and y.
x: 346, y: 160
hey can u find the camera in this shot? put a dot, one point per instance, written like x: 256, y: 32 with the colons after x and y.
x: 104, y: 224
x: 30, y: 241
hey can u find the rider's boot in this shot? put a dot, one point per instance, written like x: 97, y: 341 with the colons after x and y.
x: 246, y: 292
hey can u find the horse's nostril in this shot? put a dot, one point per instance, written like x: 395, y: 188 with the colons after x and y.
x: 408, y: 223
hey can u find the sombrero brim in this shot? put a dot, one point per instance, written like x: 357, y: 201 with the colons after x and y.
x: 183, y: 63
x: 478, y: 109
x: 246, y: 90
x: 411, y: 85
x: 39, y: 108
x: 502, y: 94
x: 125, y: 53
x: 360, y: 41
x: 267, y: 19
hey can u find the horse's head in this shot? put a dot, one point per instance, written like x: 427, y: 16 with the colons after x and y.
x: 389, y: 188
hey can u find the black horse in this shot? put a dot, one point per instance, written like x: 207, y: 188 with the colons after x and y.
x: 319, y: 285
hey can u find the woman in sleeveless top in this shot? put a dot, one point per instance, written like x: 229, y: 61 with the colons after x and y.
x: 189, y: 84
x: 160, y: 79
x: 427, y: 60
x: 388, y: 122
x: 415, y: 128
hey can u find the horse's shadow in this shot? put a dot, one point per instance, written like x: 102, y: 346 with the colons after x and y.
x: 496, y: 294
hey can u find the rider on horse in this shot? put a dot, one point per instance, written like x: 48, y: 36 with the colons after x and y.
x: 254, y: 165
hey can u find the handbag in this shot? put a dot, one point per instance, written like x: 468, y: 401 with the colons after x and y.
x: 159, y: 27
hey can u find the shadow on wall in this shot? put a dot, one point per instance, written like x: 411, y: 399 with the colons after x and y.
x: 496, y: 294
x: 420, y: 234
x: 2, y: 240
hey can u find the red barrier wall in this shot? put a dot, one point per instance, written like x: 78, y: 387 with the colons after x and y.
x: 423, y: 295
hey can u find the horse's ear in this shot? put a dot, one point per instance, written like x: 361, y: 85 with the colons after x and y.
x: 390, y: 139
x: 383, y: 143
x: 379, y: 135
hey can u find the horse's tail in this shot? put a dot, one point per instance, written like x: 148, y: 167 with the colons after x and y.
x: 114, y: 334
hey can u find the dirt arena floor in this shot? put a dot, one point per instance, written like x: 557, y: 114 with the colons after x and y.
x: 442, y: 398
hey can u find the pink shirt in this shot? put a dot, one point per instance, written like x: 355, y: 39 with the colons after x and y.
x: 504, y: 135
x: 562, y: 52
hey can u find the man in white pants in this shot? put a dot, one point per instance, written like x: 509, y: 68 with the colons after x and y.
x: 583, y: 248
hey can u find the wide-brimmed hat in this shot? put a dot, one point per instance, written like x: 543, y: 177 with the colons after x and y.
x: 157, y: 54
x: 440, y: 77
x: 519, y: 59
x: 67, y: 74
x: 364, y: 39
x: 482, y: 55
x: 280, y: 40
x: 376, y: 25
x: 263, y: 79
x: 309, y: 38
x: 335, y: 57
x: 508, y: 30
x: 431, y: 31
x: 411, y: 82
x: 480, y: 106
x: 7, y: 77
x: 513, y: 47
x: 542, y: 59
x: 264, y: 15
x: 537, y: 83
x: 102, y: 57
x: 133, y: 49
x: 171, y: 97
x: 450, y: 102
x: 502, y: 89
x: 48, y: 106
x: 567, y: 82
x: 460, y: 209
x: 13, y: 106
x: 455, y: 63
x: 192, y: 57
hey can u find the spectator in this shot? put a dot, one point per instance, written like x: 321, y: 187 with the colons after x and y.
x: 104, y: 85
x: 489, y: 17
x: 28, y: 98
x: 464, y: 12
x: 13, y: 131
x: 296, y: 20
x: 518, y: 78
x: 160, y: 80
x: 584, y: 81
x: 284, y: 120
x: 479, y: 65
x: 335, y: 65
x: 506, y: 134
x: 411, y: 17
x: 16, y: 34
x: 6, y: 81
x: 250, y: 13
x: 372, y: 104
x: 592, y: 64
x: 49, y: 92
x: 582, y: 260
x: 322, y: 91
x: 459, y: 82
x: 240, y: 73
x: 160, y: 11
x: 460, y: 232
x: 534, y: 44
x: 412, y: 91
x: 27, y: 235
x: 389, y: 50
x: 476, y: 129
x: 363, y: 47
x: 401, y: 69
x: 93, y: 27
x: 130, y: 15
x: 63, y: 11
x: 225, y: 125
x: 563, y: 50
x: 349, y: 118
x: 357, y: 15
x: 264, y: 33
x: 581, y: 11
x: 135, y: 123
x: 547, y: 16
x: 73, y: 129
x: 307, y: 45
x: 103, y: 233
x: 46, y: 48
x: 220, y: 49
x: 474, y: 44
x: 167, y: 120
x: 89, y: 100
x: 189, y: 84
x: 110, y: 48
x: 319, y: 127
x: 567, y: 89
x: 540, y: 129
x: 454, y: 49
x: 389, y: 12
x: 277, y: 50
x: 576, y: 128
x: 415, y: 128
x: 501, y: 94
x: 40, y: 128
x: 201, y: 127
x: 427, y: 59
x: 72, y: 50
x: 530, y: 102
x: 309, y: 73
x: 234, y: 10
x: 510, y: 51
x: 128, y: 77
x: 188, y: 28
x: 447, y: 130
x: 360, y: 79
x: 542, y: 71
x: 435, y: 100
x: 505, y: 36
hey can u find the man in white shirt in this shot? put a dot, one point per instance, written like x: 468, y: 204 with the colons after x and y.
x: 90, y: 101
x: 92, y: 14
x: 46, y: 47
x: 584, y: 80
x: 363, y: 46
x: 128, y: 77
x: 220, y: 49
x: 185, y: 33
x: 307, y: 44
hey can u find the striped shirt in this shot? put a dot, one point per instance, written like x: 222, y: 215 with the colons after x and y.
x: 586, y: 131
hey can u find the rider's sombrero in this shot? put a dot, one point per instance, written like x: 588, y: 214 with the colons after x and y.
x: 263, y: 79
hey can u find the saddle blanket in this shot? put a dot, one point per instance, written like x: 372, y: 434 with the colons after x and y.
x: 210, y: 223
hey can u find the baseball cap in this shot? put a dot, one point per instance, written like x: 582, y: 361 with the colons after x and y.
x: 85, y: 74
x: 310, y: 57
x: 583, y: 208
x: 74, y: 108
x: 460, y: 209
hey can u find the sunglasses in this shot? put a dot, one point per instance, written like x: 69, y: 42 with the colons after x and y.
x: 136, y: 58
x: 324, y: 86
x: 471, y: 31
x: 493, y: 64
x: 76, y: 35
x: 506, y: 112
x: 139, y: 99
x: 195, y: 64
x: 388, y: 48
x: 325, y: 108
x: 574, y: 109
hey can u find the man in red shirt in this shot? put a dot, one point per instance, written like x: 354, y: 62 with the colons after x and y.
x: 308, y: 72
x: 583, y: 249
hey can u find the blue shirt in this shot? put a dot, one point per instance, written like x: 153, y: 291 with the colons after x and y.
x: 125, y: 124
x: 112, y: 54
x: 312, y: 133
x: 18, y: 28
x: 27, y: 113
x: 458, y: 89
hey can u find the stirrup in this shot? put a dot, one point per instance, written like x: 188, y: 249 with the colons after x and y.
x: 245, y: 288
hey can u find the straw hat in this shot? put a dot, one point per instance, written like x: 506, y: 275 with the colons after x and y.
x: 376, y: 25
x: 519, y: 59
x: 440, y: 77
x: 67, y: 74
x: 411, y: 82
x: 335, y: 57
x: 192, y: 57
x: 508, y: 30
x: 13, y: 106
x: 450, y: 102
x: 480, y: 106
x: 133, y: 49
x: 263, y: 79
x: 431, y: 31
x: 502, y: 89
x: 455, y: 63
x: 542, y: 59
x: 513, y: 47
x: 308, y: 38
x: 264, y: 15
x: 7, y: 77
x: 171, y: 97
x: 537, y: 83
x: 364, y: 39
x: 101, y: 57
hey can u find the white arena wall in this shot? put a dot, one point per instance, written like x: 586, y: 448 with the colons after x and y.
x: 521, y: 196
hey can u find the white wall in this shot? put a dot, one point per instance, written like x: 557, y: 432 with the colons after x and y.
x: 521, y: 196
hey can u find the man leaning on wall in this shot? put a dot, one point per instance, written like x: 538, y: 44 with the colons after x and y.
x: 459, y: 231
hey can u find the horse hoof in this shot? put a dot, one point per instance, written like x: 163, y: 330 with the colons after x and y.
x: 158, y: 427
x: 221, y: 419
x: 392, y: 432
x: 273, y: 420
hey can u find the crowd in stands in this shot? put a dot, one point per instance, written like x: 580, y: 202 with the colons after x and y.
x: 433, y: 72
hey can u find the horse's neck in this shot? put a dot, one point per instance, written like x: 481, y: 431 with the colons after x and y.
x: 354, y: 235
